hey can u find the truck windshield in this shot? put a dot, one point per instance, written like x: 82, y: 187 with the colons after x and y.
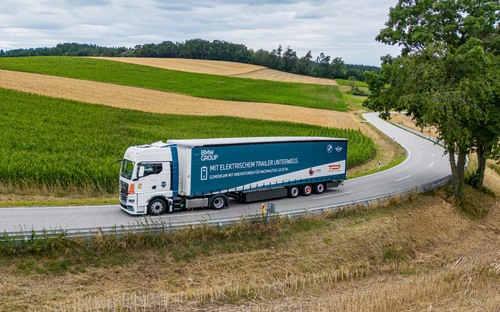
x: 127, y: 169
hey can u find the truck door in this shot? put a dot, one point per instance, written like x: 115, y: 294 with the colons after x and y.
x: 155, y: 177
x: 163, y: 181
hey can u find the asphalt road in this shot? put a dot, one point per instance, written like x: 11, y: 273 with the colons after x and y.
x: 425, y: 163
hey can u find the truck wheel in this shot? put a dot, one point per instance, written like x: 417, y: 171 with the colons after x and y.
x: 218, y: 202
x: 319, y: 188
x: 306, y: 190
x: 293, y: 191
x: 157, y: 207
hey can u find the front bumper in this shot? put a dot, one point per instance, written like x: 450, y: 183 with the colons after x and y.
x: 128, y: 203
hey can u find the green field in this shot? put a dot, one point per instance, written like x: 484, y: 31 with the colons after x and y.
x: 199, y: 85
x: 50, y: 143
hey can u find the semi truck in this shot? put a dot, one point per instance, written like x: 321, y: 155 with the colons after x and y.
x: 182, y: 174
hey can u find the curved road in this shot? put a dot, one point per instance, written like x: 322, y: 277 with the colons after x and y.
x: 425, y: 163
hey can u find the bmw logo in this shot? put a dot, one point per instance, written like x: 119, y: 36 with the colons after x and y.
x: 329, y: 148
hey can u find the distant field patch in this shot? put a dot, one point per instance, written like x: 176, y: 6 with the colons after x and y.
x: 276, y: 75
x: 223, y: 68
x: 197, y: 85
x: 56, y: 144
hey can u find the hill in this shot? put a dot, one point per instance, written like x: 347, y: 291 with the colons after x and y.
x: 166, y: 102
x: 223, y: 68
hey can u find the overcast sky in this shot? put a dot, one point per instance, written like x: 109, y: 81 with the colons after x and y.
x: 339, y: 28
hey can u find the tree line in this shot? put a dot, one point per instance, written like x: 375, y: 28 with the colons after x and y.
x: 283, y: 59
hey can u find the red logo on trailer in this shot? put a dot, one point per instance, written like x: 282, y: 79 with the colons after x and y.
x: 311, y: 172
x: 333, y: 167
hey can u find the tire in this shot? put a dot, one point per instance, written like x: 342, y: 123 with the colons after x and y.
x: 218, y: 202
x: 319, y: 188
x: 157, y: 207
x: 293, y: 191
x: 306, y: 189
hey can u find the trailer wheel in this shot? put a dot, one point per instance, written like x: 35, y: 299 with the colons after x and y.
x: 157, y: 207
x: 218, y: 202
x: 293, y: 191
x: 319, y: 188
x: 307, y: 190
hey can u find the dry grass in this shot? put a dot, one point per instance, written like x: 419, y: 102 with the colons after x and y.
x: 221, y: 68
x: 406, y: 121
x: 421, y: 256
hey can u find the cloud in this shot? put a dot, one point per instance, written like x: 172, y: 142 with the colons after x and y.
x: 339, y: 28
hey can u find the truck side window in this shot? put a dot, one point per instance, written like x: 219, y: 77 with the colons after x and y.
x: 152, y: 169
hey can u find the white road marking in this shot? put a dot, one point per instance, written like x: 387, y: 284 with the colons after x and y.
x: 432, y: 164
x: 326, y: 196
x: 422, y: 146
x: 433, y: 155
x: 403, y: 178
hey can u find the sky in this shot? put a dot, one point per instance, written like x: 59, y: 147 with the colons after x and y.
x: 338, y: 28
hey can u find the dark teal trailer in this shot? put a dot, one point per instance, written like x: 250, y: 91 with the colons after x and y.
x: 205, y: 172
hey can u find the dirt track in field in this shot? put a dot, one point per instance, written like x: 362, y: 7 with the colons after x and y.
x: 221, y: 68
x: 167, y: 103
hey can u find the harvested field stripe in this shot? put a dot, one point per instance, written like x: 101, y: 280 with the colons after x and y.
x: 167, y: 103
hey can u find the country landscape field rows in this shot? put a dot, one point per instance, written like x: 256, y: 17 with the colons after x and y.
x: 46, y: 131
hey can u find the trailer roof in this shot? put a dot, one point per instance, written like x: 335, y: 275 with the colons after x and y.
x: 250, y: 140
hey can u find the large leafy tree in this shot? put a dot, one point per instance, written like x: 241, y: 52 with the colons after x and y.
x: 447, y: 74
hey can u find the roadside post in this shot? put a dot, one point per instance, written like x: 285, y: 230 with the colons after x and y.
x: 267, y: 209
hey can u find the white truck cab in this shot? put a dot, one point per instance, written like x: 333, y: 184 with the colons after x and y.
x: 146, y: 174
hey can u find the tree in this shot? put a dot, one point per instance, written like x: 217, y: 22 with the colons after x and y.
x: 289, y: 59
x: 323, y: 68
x: 447, y: 75
x: 304, y: 65
x: 338, y: 68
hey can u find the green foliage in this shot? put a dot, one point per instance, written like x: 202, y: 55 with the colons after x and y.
x: 447, y: 76
x: 58, y: 144
x: 199, y: 85
x: 346, y: 82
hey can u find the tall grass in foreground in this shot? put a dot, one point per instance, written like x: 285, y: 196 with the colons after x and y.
x: 364, y: 279
x: 407, y: 293
x: 53, y: 144
x: 199, y: 85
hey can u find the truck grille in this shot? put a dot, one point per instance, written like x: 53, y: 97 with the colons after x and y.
x: 123, y: 187
x: 123, y: 198
x: 123, y: 192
